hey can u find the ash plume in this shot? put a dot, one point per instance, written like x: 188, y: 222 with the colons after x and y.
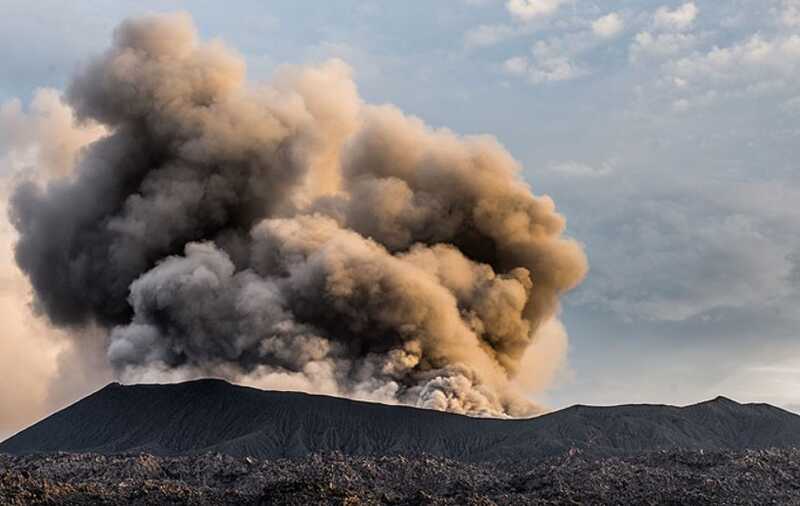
x: 290, y: 234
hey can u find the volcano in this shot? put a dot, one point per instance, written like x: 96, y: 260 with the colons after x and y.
x: 203, y: 416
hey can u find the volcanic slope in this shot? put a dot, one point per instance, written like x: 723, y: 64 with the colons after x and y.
x: 215, y: 416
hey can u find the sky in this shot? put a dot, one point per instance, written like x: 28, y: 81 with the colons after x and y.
x: 665, y: 131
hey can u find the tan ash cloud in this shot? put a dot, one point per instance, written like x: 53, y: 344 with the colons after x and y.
x: 292, y: 235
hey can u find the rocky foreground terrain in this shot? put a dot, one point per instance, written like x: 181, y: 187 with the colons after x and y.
x: 666, y: 477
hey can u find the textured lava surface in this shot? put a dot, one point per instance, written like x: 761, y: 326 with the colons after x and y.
x: 665, y: 477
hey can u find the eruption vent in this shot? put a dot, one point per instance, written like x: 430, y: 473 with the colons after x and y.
x: 290, y: 234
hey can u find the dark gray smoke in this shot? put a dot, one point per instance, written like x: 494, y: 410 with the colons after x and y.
x: 290, y: 233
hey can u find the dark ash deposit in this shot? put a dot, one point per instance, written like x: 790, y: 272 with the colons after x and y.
x: 668, y: 477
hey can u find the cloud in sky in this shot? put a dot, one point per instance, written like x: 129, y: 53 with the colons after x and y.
x: 488, y: 35
x: 579, y: 169
x: 660, y: 45
x: 608, y: 26
x: 790, y: 13
x: 680, y: 18
x: 754, y: 59
x: 690, y: 75
x: 527, y: 10
x: 547, y: 64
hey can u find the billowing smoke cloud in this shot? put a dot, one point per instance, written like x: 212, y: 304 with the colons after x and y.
x: 290, y: 234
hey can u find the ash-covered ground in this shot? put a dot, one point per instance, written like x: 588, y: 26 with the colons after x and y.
x: 668, y: 477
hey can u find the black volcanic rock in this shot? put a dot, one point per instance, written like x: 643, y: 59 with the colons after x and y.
x: 204, y: 416
x: 663, y: 477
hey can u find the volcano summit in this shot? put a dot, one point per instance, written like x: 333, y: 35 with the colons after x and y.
x: 214, y: 416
